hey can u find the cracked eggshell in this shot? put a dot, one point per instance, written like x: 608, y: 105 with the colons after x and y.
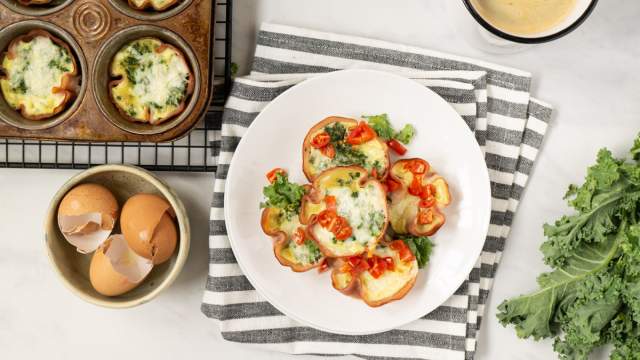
x: 116, y: 269
x: 148, y: 226
x: 87, y: 215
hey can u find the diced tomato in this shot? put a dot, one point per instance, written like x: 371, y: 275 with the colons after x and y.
x: 271, y: 175
x: 390, y: 264
x: 361, y: 134
x: 328, y: 151
x: 416, y: 186
x: 403, y: 250
x: 324, y: 266
x: 321, y: 140
x: 397, y: 147
x: 425, y: 216
x: 298, y: 236
x: 378, y: 268
x: 417, y: 166
x: 374, y: 172
x: 326, y: 218
x: 428, y: 202
x: 330, y: 202
x: 392, y: 185
x: 354, y: 261
x: 341, y: 229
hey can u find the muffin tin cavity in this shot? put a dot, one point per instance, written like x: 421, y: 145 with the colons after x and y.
x: 13, y: 117
x: 102, y: 78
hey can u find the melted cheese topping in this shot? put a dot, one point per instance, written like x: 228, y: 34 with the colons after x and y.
x: 306, y: 253
x: 364, y: 209
x: 374, y: 150
x: 390, y: 282
x: 403, y: 208
x: 38, y: 67
x: 154, y: 84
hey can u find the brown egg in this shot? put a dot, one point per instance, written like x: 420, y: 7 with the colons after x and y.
x: 115, y: 269
x: 86, y: 216
x: 147, y: 225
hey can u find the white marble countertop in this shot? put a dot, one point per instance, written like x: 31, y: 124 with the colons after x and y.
x: 590, y: 76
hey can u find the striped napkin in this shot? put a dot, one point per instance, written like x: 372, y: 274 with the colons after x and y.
x: 495, y: 103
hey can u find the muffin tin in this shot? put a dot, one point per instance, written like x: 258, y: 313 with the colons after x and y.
x: 95, y: 30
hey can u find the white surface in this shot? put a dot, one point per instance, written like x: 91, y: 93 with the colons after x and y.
x: 352, y: 93
x: 591, y: 77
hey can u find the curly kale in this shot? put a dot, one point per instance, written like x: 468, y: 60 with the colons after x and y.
x: 284, y: 195
x: 592, y: 295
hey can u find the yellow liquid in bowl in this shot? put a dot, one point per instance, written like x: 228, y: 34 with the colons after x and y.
x: 524, y: 17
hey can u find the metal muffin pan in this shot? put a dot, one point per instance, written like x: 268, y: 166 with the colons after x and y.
x: 96, y: 30
x: 101, y: 77
x: 13, y: 117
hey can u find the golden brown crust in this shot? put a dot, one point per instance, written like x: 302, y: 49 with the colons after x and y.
x: 442, y: 195
x: 280, y: 241
x: 397, y: 296
x: 306, y: 145
x: 179, y: 109
x: 69, y: 80
x: 148, y: 4
x: 315, y: 198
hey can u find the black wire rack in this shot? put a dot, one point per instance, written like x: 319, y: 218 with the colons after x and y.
x: 194, y: 152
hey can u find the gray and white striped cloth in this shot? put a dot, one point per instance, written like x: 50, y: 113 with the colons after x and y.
x: 493, y: 100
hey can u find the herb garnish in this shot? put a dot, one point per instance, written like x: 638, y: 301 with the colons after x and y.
x: 421, y: 247
x: 284, y: 195
x: 382, y: 126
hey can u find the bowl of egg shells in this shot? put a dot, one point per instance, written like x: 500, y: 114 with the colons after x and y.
x: 117, y: 235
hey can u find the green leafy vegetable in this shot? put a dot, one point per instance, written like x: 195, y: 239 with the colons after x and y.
x: 382, y: 126
x: 592, y: 295
x: 336, y: 132
x: 406, y: 134
x: 348, y: 155
x: 284, y: 195
x: 420, y: 246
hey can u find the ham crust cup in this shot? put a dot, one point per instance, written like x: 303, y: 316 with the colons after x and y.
x: 38, y: 75
x: 418, y: 195
x: 152, y: 81
x: 345, y: 211
x: 387, y: 275
x: 157, y: 5
x: 339, y: 141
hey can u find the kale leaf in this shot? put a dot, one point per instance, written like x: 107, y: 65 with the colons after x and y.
x: 592, y: 295
x: 421, y: 247
x: 384, y: 129
x: 284, y: 195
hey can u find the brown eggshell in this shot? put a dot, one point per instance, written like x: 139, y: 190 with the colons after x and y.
x: 105, y: 279
x: 90, y: 198
x: 148, y: 227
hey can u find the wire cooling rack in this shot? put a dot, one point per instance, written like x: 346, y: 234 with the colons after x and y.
x: 194, y: 152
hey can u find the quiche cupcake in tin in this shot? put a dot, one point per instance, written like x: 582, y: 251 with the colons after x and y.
x: 39, y: 75
x: 153, y: 81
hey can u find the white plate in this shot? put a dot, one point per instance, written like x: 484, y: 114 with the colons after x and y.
x: 274, y: 139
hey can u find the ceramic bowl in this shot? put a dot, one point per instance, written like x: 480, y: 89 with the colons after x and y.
x: 73, y: 267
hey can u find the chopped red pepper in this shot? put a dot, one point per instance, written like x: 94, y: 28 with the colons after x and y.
x: 396, y: 146
x: 321, y: 140
x: 361, y: 134
x: 328, y: 151
x: 272, y: 175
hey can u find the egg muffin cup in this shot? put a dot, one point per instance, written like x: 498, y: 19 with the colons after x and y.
x: 67, y: 84
x: 8, y: 38
x: 104, y: 82
x: 157, y: 5
x: 123, y: 86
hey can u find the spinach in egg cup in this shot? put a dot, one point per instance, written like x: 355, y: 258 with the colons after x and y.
x: 38, y: 75
x: 152, y: 81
